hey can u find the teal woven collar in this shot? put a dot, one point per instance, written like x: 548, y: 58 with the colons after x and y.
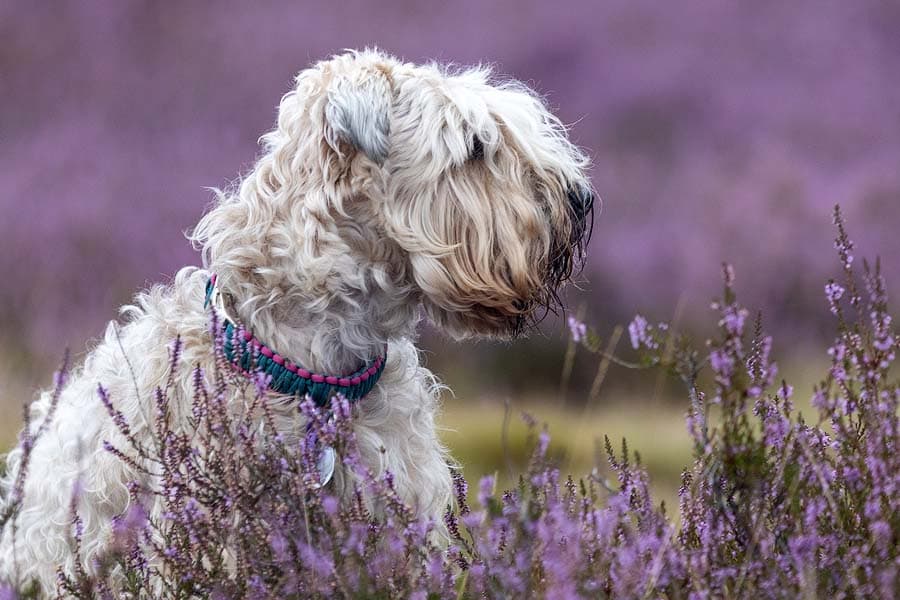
x: 246, y: 352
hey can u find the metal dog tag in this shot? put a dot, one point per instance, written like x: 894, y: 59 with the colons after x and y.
x: 218, y: 302
x: 325, y: 465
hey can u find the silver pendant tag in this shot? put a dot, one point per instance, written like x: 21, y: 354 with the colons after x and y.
x: 325, y: 465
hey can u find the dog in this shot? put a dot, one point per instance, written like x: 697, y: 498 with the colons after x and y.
x: 387, y: 192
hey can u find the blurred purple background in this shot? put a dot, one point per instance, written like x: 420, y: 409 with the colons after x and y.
x: 719, y: 131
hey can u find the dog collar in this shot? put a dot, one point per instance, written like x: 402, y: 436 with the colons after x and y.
x: 287, y: 377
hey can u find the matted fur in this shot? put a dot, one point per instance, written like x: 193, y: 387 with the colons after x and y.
x: 385, y: 188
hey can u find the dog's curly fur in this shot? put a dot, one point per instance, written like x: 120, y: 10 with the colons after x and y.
x: 385, y: 189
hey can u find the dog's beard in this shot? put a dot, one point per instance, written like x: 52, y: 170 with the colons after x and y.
x: 504, y: 309
x: 569, y: 246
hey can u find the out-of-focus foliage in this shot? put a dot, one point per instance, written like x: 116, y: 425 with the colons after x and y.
x: 718, y: 131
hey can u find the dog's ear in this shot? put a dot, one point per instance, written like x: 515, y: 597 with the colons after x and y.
x: 357, y: 112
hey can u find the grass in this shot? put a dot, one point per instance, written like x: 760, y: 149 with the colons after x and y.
x: 650, y: 416
x: 474, y: 433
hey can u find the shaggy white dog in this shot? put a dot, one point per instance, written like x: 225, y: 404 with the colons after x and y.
x: 387, y: 190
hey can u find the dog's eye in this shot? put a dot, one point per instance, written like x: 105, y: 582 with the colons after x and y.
x: 477, y: 152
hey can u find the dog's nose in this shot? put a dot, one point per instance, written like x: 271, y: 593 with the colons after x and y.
x: 581, y: 202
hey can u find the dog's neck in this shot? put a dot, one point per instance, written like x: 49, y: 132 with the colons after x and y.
x: 314, y: 278
x: 335, y: 335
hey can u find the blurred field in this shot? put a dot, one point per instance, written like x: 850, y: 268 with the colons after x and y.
x: 474, y: 432
x: 486, y: 436
x: 652, y: 424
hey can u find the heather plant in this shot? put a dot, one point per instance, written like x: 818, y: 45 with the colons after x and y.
x: 776, y: 504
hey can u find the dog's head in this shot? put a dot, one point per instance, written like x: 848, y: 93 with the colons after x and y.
x: 474, y: 182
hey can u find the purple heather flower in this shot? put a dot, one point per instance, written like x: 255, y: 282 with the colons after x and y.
x: 821, y: 401
x: 321, y: 564
x: 884, y: 343
x: 833, y: 292
x: 472, y: 519
x: 722, y: 364
x: 133, y: 520
x: 776, y: 427
x: 881, y: 535
x: 838, y: 351
x: 486, y: 489
x: 733, y: 319
x: 840, y: 375
x: 331, y: 505
x: 578, y: 329
x: 258, y: 587
x: 261, y: 381
x: 845, y: 250
x: 461, y: 488
x: 175, y: 349
x: 640, y: 332
x: 543, y: 443
x: 117, y: 417
x: 60, y: 378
